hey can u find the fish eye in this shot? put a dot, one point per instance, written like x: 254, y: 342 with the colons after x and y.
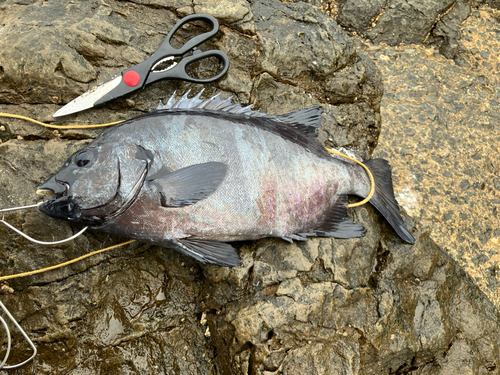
x: 83, y: 158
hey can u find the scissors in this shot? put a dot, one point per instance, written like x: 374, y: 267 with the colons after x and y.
x: 151, y: 69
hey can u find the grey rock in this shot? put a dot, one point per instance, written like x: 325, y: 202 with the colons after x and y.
x: 407, y: 21
x: 234, y: 13
x: 466, y: 101
x: 493, y: 3
x: 447, y: 30
x: 400, y: 314
x: 359, y: 15
x: 395, y: 22
x: 358, y: 306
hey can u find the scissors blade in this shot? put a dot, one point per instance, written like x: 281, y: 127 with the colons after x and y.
x: 89, y: 98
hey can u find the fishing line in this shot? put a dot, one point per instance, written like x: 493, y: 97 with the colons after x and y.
x: 372, y: 181
x: 7, y: 277
x: 19, y: 208
x: 30, y: 238
x: 42, y: 242
x: 9, y: 341
x: 49, y: 243
x: 58, y: 126
x: 3, y: 364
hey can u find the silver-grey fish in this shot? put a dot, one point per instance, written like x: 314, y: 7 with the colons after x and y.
x: 195, y: 174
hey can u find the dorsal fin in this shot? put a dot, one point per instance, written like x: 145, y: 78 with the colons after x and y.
x: 306, y: 120
x: 215, y: 103
x: 298, y: 127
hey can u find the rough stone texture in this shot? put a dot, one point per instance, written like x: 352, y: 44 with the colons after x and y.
x: 442, y: 132
x: 446, y: 32
x: 359, y: 306
x: 348, y: 307
x: 495, y: 4
x: 397, y: 22
x: 359, y: 15
x: 407, y: 21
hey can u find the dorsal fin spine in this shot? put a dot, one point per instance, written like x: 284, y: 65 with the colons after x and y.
x: 306, y: 120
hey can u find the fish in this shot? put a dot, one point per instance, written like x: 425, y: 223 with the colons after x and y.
x: 195, y: 175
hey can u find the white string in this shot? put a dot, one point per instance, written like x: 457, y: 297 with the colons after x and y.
x: 42, y: 242
x: 19, y: 208
x: 7, y: 312
x: 2, y: 365
x: 7, y: 332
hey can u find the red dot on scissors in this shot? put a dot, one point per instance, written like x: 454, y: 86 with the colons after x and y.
x: 131, y: 78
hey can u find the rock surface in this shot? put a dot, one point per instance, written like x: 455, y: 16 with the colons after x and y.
x: 396, y: 22
x: 441, y: 129
x: 359, y: 306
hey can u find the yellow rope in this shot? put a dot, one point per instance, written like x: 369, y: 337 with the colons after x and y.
x: 58, y: 126
x: 372, y: 182
x: 65, y: 263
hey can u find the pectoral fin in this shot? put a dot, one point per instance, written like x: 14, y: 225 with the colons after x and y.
x: 205, y: 251
x: 188, y: 185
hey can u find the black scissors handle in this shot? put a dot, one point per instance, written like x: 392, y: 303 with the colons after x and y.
x: 166, y: 48
x: 179, y: 70
x: 141, y: 74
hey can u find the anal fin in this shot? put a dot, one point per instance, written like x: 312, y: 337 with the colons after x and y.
x: 206, y: 251
x: 337, y: 224
x: 291, y: 237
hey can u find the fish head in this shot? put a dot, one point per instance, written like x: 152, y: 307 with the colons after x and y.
x: 88, y: 181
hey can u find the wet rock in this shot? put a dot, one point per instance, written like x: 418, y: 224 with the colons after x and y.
x: 360, y: 306
x: 236, y: 13
x: 393, y: 26
x: 360, y: 15
x: 394, y: 22
x: 450, y: 163
x: 493, y: 3
x: 447, y: 30
x: 402, y: 308
x: 140, y: 309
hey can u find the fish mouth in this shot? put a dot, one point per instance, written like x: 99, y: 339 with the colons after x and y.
x: 62, y: 207
x: 53, y: 188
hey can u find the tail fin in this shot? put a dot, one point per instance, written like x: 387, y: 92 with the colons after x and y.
x: 383, y: 199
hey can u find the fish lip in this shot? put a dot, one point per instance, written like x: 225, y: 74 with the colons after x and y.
x: 66, y: 208
x: 45, y: 192
x: 62, y: 207
x: 55, y: 186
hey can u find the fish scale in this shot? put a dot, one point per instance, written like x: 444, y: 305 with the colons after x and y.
x: 196, y: 174
x: 240, y: 191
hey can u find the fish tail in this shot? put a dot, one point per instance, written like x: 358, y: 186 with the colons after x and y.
x: 383, y: 198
